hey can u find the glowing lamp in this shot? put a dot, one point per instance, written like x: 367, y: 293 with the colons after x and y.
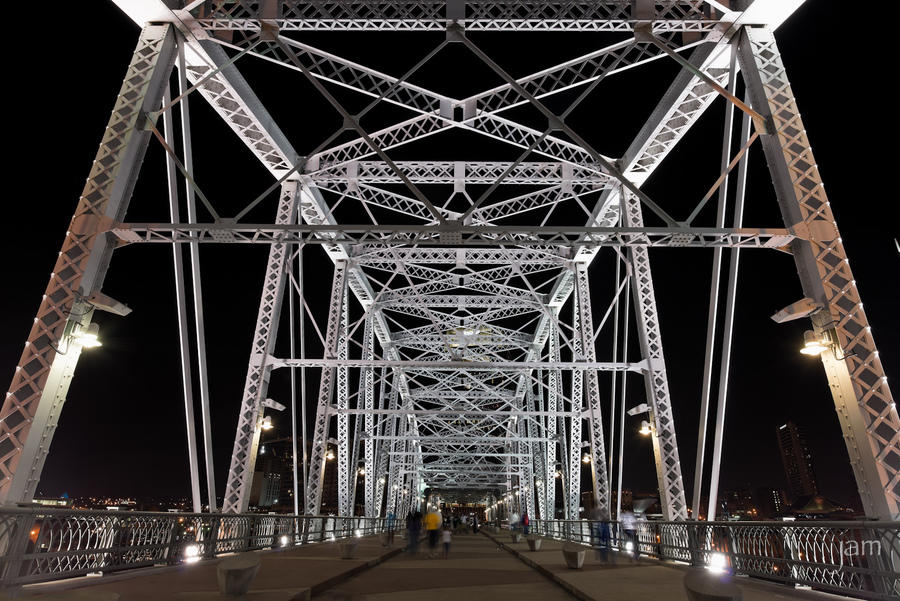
x: 812, y: 344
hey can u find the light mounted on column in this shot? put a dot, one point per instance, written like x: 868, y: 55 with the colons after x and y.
x: 645, y: 428
x: 813, y: 344
x: 87, y: 337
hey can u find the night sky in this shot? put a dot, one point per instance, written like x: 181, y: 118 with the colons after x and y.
x: 122, y: 430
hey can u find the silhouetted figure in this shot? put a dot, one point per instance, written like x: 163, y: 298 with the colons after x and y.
x: 413, y: 527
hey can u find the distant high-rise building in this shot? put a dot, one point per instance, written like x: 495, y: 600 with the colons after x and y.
x: 797, y: 460
x: 737, y: 503
x: 771, y: 502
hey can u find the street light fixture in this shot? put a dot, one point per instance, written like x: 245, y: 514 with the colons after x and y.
x: 814, y: 345
x: 267, y: 423
x: 645, y: 428
x: 87, y: 337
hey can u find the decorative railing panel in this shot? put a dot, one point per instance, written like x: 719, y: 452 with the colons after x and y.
x: 860, y: 559
x: 39, y: 545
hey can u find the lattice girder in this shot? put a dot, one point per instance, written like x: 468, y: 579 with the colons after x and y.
x: 665, y: 445
x: 511, y: 289
x: 246, y: 442
x: 863, y: 399
x: 38, y: 390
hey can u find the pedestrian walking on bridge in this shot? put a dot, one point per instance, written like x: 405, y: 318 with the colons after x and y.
x: 432, y: 528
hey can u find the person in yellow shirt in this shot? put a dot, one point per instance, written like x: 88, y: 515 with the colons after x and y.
x: 432, y: 527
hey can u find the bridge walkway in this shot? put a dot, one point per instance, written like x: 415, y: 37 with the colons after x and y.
x: 483, y: 567
x: 476, y: 569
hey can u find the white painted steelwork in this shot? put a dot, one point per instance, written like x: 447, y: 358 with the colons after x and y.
x: 476, y: 344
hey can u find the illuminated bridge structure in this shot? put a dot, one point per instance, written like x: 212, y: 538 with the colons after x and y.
x: 461, y: 338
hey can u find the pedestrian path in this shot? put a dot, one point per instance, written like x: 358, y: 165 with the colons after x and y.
x: 477, y: 570
x: 482, y: 567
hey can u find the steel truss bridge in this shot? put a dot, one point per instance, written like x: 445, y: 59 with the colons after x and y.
x: 461, y: 298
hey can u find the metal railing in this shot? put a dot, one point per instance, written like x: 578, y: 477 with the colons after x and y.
x: 38, y: 545
x: 859, y: 559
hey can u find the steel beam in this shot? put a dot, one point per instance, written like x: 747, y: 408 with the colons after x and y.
x: 32, y: 407
x: 863, y: 399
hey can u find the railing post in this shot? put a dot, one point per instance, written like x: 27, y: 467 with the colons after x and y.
x: 13, y: 544
x: 172, y: 547
x: 732, y: 552
x: 116, y: 555
x: 886, y: 561
x: 211, y: 538
x: 694, y: 540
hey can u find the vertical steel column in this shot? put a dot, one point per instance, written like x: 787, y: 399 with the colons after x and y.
x: 727, y: 334
x: 862, y: 397
x: 303, y: 408
x: 626, y: 314
x: 367, y: 389
x: 354, y: 459
x: 543, y: 446
x: 363, y: 401
x: 665, y: 446
x: 398, y: 426
x: 41, y: 381
x: 196, y: 286
x: 382, y: 455
x: 326, y: 388
x: 343, y: 419
x: 592, y: 388
x: 290, y: 294
x: 184, y: 345
x: 577, y: 407
x: 553, y: 397
x: 526, y: 462
x: 714, y: 296
x: 246, y: 439
x: 612, y: 390
x: 536, y: 453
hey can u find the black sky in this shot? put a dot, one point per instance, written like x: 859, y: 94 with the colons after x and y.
x: 122, y: 431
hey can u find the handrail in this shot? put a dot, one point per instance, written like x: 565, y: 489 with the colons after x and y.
x: 854, y: 558
x: 41, y: 544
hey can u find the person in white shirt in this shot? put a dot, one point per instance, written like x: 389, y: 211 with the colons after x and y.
x: 446, y: 539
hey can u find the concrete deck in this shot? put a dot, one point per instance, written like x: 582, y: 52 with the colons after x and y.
x: 477, y: 569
